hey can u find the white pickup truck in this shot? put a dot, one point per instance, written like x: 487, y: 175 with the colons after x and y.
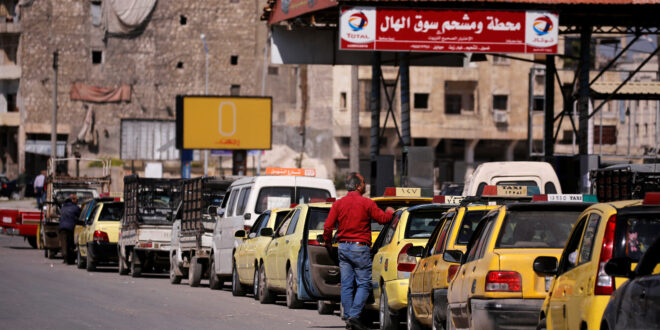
x: 530, y: 174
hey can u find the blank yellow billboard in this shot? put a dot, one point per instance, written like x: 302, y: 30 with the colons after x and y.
x: 224, y: 122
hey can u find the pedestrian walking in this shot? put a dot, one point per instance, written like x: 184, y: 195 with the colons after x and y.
x: 352, y: 215
x: 39, y: 188
x: 69, y: 214
x: 20, y: 184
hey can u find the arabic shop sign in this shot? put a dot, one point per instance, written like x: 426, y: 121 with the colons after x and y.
x: 431, y: 30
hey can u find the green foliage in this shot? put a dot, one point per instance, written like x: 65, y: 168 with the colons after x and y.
x: 114, y: 162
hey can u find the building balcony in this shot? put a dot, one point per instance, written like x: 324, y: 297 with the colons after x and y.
x: 10, y: 72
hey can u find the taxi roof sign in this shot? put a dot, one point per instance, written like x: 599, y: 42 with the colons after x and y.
x: 440, y: 199
x: 510, y: 191
x: 565, y: 198
x: 290, y: 171
x: 407, y: 192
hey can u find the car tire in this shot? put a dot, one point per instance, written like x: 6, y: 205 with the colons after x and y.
x: 255, y: 283
x: 51, y: 253
x: 292, y: 301
x: 214, y: 282
x: 46, y: 253
x: 449, y: 322
x: 90, y: 263
x: 411, y: 321
x: 136, y: 269
x: 387, y: 320
x: 194, y: 273
x: 174, y: 278
x: 32, y: 240
x: 122, y: 268
x: 437, y: 322
x: 237, y: 289
x: 543, y: 326
x: 325, y: 307
x: 266, y: 296
x: 80, y: 263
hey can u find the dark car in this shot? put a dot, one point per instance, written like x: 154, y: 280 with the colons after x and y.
x: 7, y: 187
x: 636, y: 303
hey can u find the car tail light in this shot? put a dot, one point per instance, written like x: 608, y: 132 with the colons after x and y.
x: 330, y: 200
x: 4, y: 185
x: 505, y: 281
x: 101, y: 236
x: 451, y: 272
x: 405, y: 263
x: 604, y: 282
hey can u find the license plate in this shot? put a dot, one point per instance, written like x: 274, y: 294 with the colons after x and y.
x: 548, y: 283
x: 6, y: 219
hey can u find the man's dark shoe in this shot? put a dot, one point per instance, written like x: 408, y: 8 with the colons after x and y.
x: 356, y: 324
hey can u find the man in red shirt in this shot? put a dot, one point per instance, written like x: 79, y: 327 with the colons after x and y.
x: 353, y: 214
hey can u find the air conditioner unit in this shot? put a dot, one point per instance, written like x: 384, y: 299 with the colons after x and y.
x: 500, y: 116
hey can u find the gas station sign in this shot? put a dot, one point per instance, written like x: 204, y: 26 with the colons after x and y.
x: 450, y: 31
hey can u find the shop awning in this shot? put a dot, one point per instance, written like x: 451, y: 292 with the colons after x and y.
x: 637, y: 90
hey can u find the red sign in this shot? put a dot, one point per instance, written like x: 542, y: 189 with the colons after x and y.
x: 285, y: 9
x: 451, y: 31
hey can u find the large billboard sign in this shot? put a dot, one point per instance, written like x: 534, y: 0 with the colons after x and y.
x: 451, y: 31
x: 223, y: 122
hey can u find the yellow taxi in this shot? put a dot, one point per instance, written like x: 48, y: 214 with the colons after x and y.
x: 396, y: 198
x: 278, y: 272
x: 250, y: 253
x: 496, y: 286
x: 581, y: 289
x: 427, y: 292
x: 97, y: 241
x: 392, y: 265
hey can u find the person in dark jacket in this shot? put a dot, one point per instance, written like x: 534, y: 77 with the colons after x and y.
x: 352, y: 215
x: 69, y: 214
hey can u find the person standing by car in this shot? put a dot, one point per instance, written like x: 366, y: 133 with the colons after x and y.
x: 352, y: 215
x: 39, y: 188
x: 69, y: 214
x: 20, y: 184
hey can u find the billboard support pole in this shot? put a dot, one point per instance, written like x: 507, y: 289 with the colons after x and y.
x: 375, y: 117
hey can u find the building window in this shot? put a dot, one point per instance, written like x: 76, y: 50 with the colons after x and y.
x: 233, y: 60
x: 420, y: 142
x: 345, y: 141
x: 273, y: 70
x: 342, y: 100
x: 11, y: 103
x: 95, y: 12
x: 183, y: 20
x: 539, y: 103
x: 459, y: 96
x: 179, y: 65
x: 365, y: 95
x: 421, y: 100
x: 235, y: 90
x: 500, y: 102
x: 97, y: 57
x: 609, y: 134
x: 500, y: 60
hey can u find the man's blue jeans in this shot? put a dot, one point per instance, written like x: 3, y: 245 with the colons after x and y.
x: 355, y: 270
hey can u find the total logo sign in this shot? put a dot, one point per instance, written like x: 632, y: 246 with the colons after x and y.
x: 358, y: 25
x: 542, y: 29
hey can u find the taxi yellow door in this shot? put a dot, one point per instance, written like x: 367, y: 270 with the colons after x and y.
x: 381, y: 262
x: 437, y: 269
x: 86, y: 235
x: 278, y: 251
x: 563, y: 292
x: 246, y: 251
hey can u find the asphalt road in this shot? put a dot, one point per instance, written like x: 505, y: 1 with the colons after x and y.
x: 37, y: 293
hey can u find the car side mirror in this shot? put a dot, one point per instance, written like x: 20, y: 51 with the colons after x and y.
x: 545, y: 266
x: 268, y: 232
x: 455, y: 256
x: 415, y: 251
x: 246, y: 216
x: 239, y: 233
x: 619, y: 267
x: 320, y: 239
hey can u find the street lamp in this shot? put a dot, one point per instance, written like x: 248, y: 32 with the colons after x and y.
x: 206, y: 92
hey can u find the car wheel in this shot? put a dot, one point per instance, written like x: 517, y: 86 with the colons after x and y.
x: 194, y: 273
x: 324, y: 307
x: 450, y: 321
x: 80, y: 263
x: 237, y: 288
x: 438, y: 323
x: 214, y: 281
x: 32, y: 240
x: 123, y: 269
x: 91, y: 264
x: 388, y: 321
x: 255, y: 283
x: 136, y: 268
x: 542, y: 325
x: 266, y: 296
x: 411, y: 322
x: 292, y: 301
x: 174, y: 278
x: 51, y: 253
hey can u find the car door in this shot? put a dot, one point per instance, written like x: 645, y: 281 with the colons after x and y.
x: 319, y: 269
x: 564, y: 282
x: 277, y: 251
x: 418, y: 295
x: 232, y: 222
x: 644, y: 291
x: 245, y: 252
x: 381, y: 262
x: 437, y: 269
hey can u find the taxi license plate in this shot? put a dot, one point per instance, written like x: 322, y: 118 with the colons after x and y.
x: 6, y: 219
x: 548, y: 283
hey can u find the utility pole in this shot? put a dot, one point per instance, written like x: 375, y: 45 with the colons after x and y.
x: 53, y: 130
x: 354, y: 154
x: 206, y: 92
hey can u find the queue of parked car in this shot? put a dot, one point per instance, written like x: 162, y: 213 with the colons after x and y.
x: 517, y: 255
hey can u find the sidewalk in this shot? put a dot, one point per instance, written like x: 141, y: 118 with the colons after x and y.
x: 27, y: 203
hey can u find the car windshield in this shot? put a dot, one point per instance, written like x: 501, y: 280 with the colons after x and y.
x: 422, y: 223
x: 112, y: 212
x: 536, y: 229
x: 281, y: 197
x: 468, y: 225
x: 316, y: 218
x: 641, y: 231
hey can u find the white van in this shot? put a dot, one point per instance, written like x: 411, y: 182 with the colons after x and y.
x: 531, y: 174
x: 246, y: 199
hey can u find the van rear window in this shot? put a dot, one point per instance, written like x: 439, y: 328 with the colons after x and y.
x: 536, y: 229
x: 281, y: 197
